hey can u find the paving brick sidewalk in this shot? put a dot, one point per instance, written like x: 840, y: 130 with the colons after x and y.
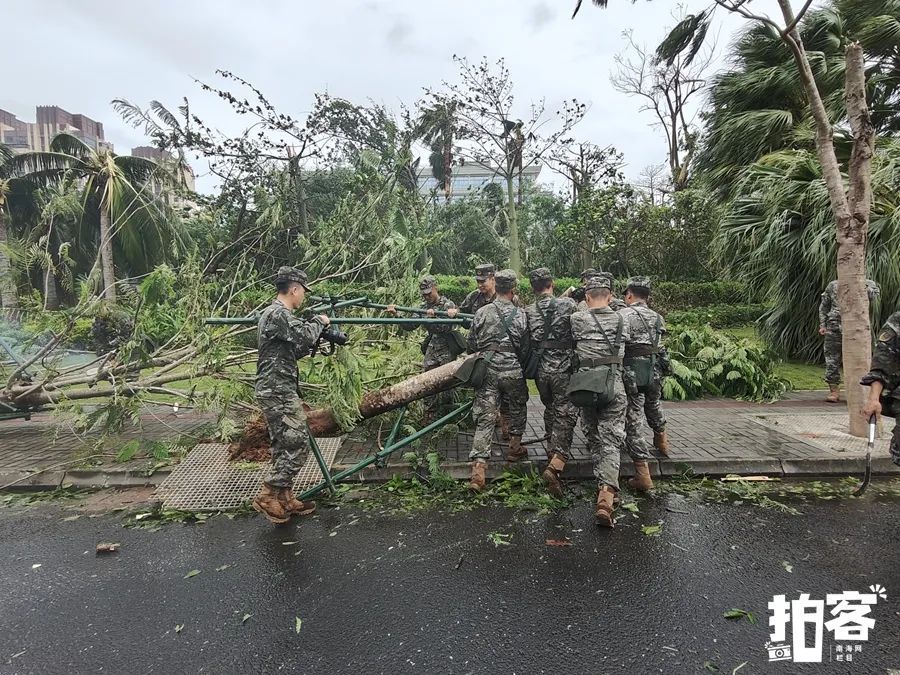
x: 798, y: 436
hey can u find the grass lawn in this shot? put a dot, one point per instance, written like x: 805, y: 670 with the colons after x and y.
x: 801, y: 375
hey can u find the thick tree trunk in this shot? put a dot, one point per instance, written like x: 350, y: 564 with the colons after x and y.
x: 374, y: 403
x: 852, y: 238
x: 51, y: 296
x: 515, y: 262
x: 851, y: 232
x: 8, y: 295
x: 107, y: 266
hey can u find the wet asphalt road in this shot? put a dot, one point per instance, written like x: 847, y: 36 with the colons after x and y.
x: 431, y: 593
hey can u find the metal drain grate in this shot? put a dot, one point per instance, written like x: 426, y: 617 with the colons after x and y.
x: 206, y: 481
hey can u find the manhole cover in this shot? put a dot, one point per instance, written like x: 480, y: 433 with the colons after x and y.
x: 206, y: 481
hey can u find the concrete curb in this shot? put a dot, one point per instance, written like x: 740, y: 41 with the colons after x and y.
x: 52, y: 480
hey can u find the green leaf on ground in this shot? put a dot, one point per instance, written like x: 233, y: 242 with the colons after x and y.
x: 652, y: 530
x: 179, y: 628
x: 298, y: 624
x: 787, y: 566
x: 128, y: 451
x: 631, y: 506
x: 711, y: 667
x: 499, y: 539
x: 245, y: 618
x: 222, y: 568
x: 735, y: 614
x: 192, y: 573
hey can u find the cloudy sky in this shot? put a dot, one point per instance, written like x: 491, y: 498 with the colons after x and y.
x: 79, y: 55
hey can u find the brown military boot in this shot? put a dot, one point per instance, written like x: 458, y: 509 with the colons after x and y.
x: 268, y: 502
x: 504, y: 427
x: 641, y: 481
x: 604, y: 511
x: 834, y: 395
x: 552, y: 473
x: 661, y: 442
x: 294, y: 506
x: 516, y: 451
x: 476, y: 481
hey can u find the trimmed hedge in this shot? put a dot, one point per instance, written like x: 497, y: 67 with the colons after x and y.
x: 717, y: 316
x: 668, y: 296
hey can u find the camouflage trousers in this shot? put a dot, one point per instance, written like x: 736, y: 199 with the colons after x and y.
x: 834, y: 357
x: 642, y: 405
x: 605, y: 431
x: 497, y: 385
x: 290, y: 438
x: 560, y: 415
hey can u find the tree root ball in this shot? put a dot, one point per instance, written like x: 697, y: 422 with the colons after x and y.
x: 254, y: 444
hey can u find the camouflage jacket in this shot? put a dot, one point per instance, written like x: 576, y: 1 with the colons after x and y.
x: 476, y: 300
x: 487, y: 332
x: 614, y: 304
x: 830, y: 310
x: 886, y: 357
x: 589, y: 342
x: 646, y: 327
x: 282, y: 340
x: 438, y: 350
x: 555, y: 358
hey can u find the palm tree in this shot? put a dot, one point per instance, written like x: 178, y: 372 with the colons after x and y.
x: 132, y: 221
x: 16, y: 194
x: 437, y: 127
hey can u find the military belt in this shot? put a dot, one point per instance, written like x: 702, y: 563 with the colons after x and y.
x: 633, y: 351
x: 555, y: 344
x: 598, y: 361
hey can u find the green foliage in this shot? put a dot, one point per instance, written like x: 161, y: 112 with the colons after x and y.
x: 705, y: 362
x: 716, y: 316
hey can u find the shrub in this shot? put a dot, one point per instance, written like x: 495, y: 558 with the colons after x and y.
x: 708, y: 362
x: 716, y: 316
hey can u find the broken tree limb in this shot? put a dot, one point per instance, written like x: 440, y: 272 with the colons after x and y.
x: 322, y: 423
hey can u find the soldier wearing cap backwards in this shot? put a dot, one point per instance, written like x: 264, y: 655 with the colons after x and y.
x: 551, y: 338
x: 884, y: 379
x: 283, y: 339
x: 484, y: 295
x: 500, y: 330
x: 443, y: 342
x: 642, y: 376
x: 600, y: 335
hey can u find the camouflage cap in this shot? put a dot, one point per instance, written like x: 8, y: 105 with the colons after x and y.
x: 506, y: 280
x: 599, y: 281
x: 589, y: 272
x: 286, y: 273
x: 426, y: 283
x: 638, y: 282
x: 540, y: 274
x: 485, y: 271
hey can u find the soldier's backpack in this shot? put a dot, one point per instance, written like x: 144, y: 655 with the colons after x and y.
x: 533, y: 362
x: 594, y: 385
x: 472, y: 371
x: 643, y: 368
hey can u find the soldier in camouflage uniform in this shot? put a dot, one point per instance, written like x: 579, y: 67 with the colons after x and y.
x: 504, y: 377
x: 830, y: 328
x: 605, y: 426
x: 885, y: 377
x: 551, y: 336
x: 484, y: 295
x: 442, y: 343
x: 282, y: 340
x: 645, y: 330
